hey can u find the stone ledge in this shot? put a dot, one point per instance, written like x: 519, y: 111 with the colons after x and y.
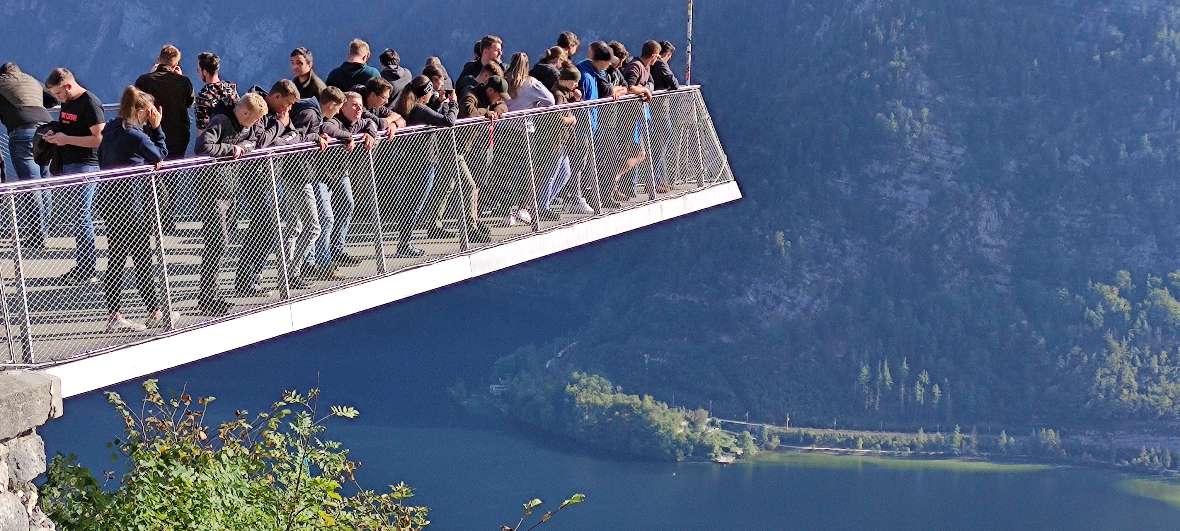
x: 27, y: 400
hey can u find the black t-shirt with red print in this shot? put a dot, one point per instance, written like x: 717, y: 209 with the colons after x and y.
x: 77, y: 117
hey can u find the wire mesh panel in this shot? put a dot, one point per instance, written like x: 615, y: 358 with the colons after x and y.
x: 91, y: 263
x: 412, y: 176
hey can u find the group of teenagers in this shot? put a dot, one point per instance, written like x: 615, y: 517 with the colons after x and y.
x: 355, y: 105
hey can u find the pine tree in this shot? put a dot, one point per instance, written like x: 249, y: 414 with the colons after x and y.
x: 1003, y: 441
x: 903, y: 382
x: 862, y: 383
x: 935, y: 395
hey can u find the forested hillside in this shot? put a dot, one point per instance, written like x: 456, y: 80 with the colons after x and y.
x: 955, y: 209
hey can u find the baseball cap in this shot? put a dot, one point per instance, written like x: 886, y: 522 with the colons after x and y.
x: 498, y: 84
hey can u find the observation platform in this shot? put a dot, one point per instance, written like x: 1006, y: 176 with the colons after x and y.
x: 60, y: 329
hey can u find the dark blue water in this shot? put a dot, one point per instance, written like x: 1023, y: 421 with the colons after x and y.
x: 394, y: 365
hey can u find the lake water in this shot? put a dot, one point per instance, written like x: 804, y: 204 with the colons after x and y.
x: 394, y: 365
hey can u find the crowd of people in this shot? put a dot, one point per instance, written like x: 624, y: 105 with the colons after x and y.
x: 356, y: 104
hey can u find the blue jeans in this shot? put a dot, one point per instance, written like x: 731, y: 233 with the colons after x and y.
x: 336, y: 205
x: 79, y: 207
x: 33, y: 208
x: 561, y: 175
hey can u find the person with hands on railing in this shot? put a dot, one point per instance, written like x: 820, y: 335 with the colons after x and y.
x: 335, y: 195
x: 414, y: 105
x: 228, y: 135
x: 128, y: 205
x: 637, y: 77
x: 376, y: 93
x: 596, y: 84
x: 662, y: 75
x: 82, y: 120
x: 556, y: 139
x: 299, y: 203
x: 487, y: 97
x: 259, y: 240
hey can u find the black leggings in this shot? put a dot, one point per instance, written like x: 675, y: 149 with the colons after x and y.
x: 130, y: 237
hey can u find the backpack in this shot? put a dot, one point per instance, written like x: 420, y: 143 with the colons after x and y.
x: 226, y: 104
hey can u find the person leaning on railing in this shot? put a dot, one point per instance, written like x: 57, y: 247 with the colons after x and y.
x: 335, y: 195
x: 134, y: 138
x: 637, y: 79
x: 414, y: 105
x: 299, y: 203
x: 228, y: 135
x: 255, y: 192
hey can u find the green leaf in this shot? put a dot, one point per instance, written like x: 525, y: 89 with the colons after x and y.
x: 573, y: 500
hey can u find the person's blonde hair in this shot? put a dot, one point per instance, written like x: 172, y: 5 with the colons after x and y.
x: 130, y: 105
x: 518, y: 73
x: 358, y: 47
x: 169, y: 55
x: 253, y: 102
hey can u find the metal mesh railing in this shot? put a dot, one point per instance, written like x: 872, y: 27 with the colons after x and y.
x: 290, y: 222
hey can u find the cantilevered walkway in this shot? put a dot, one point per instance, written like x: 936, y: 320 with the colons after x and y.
x: 61, y: 329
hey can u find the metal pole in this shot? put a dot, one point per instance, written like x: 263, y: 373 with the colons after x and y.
x: 21, y: 289
x: 644, y: 111
x: 590, y: 148
x: 7, y: 320
x: 696, y: 118
x: 464, y: 205
x: 528, y: 139
x: 161, y: 256
x: 280, y: 247
x: 688, y: 49
x: 379, y: 247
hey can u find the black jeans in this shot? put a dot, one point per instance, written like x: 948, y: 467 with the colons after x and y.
x: 215, y: 222
x: 128, y: 234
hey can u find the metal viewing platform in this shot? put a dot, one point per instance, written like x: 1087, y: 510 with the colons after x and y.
x: 62, y: 329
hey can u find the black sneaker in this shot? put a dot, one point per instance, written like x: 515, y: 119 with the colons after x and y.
x: 321, y: 273
x: 439, y: 233
x: 344, y: 259
x: 298, y: 283
x: 215, y: 308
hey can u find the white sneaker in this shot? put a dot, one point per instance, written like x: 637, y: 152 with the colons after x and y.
x: 123, y: 325
x: 579, y: 207
x: 159, y: 323
x: 524, y: 216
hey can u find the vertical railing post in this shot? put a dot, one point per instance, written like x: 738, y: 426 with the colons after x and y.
x: 277, y: 218
x: 464, y: 204
x: 696, y: 119
x: 21, y: 289
x: 379, y: 246
x: 161, y: 255
x: 528, y: 142
x: 644, y: 112
x: 7, y: 320
x: 591, y: 148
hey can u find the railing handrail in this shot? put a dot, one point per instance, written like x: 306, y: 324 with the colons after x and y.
x: 201, y: 161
